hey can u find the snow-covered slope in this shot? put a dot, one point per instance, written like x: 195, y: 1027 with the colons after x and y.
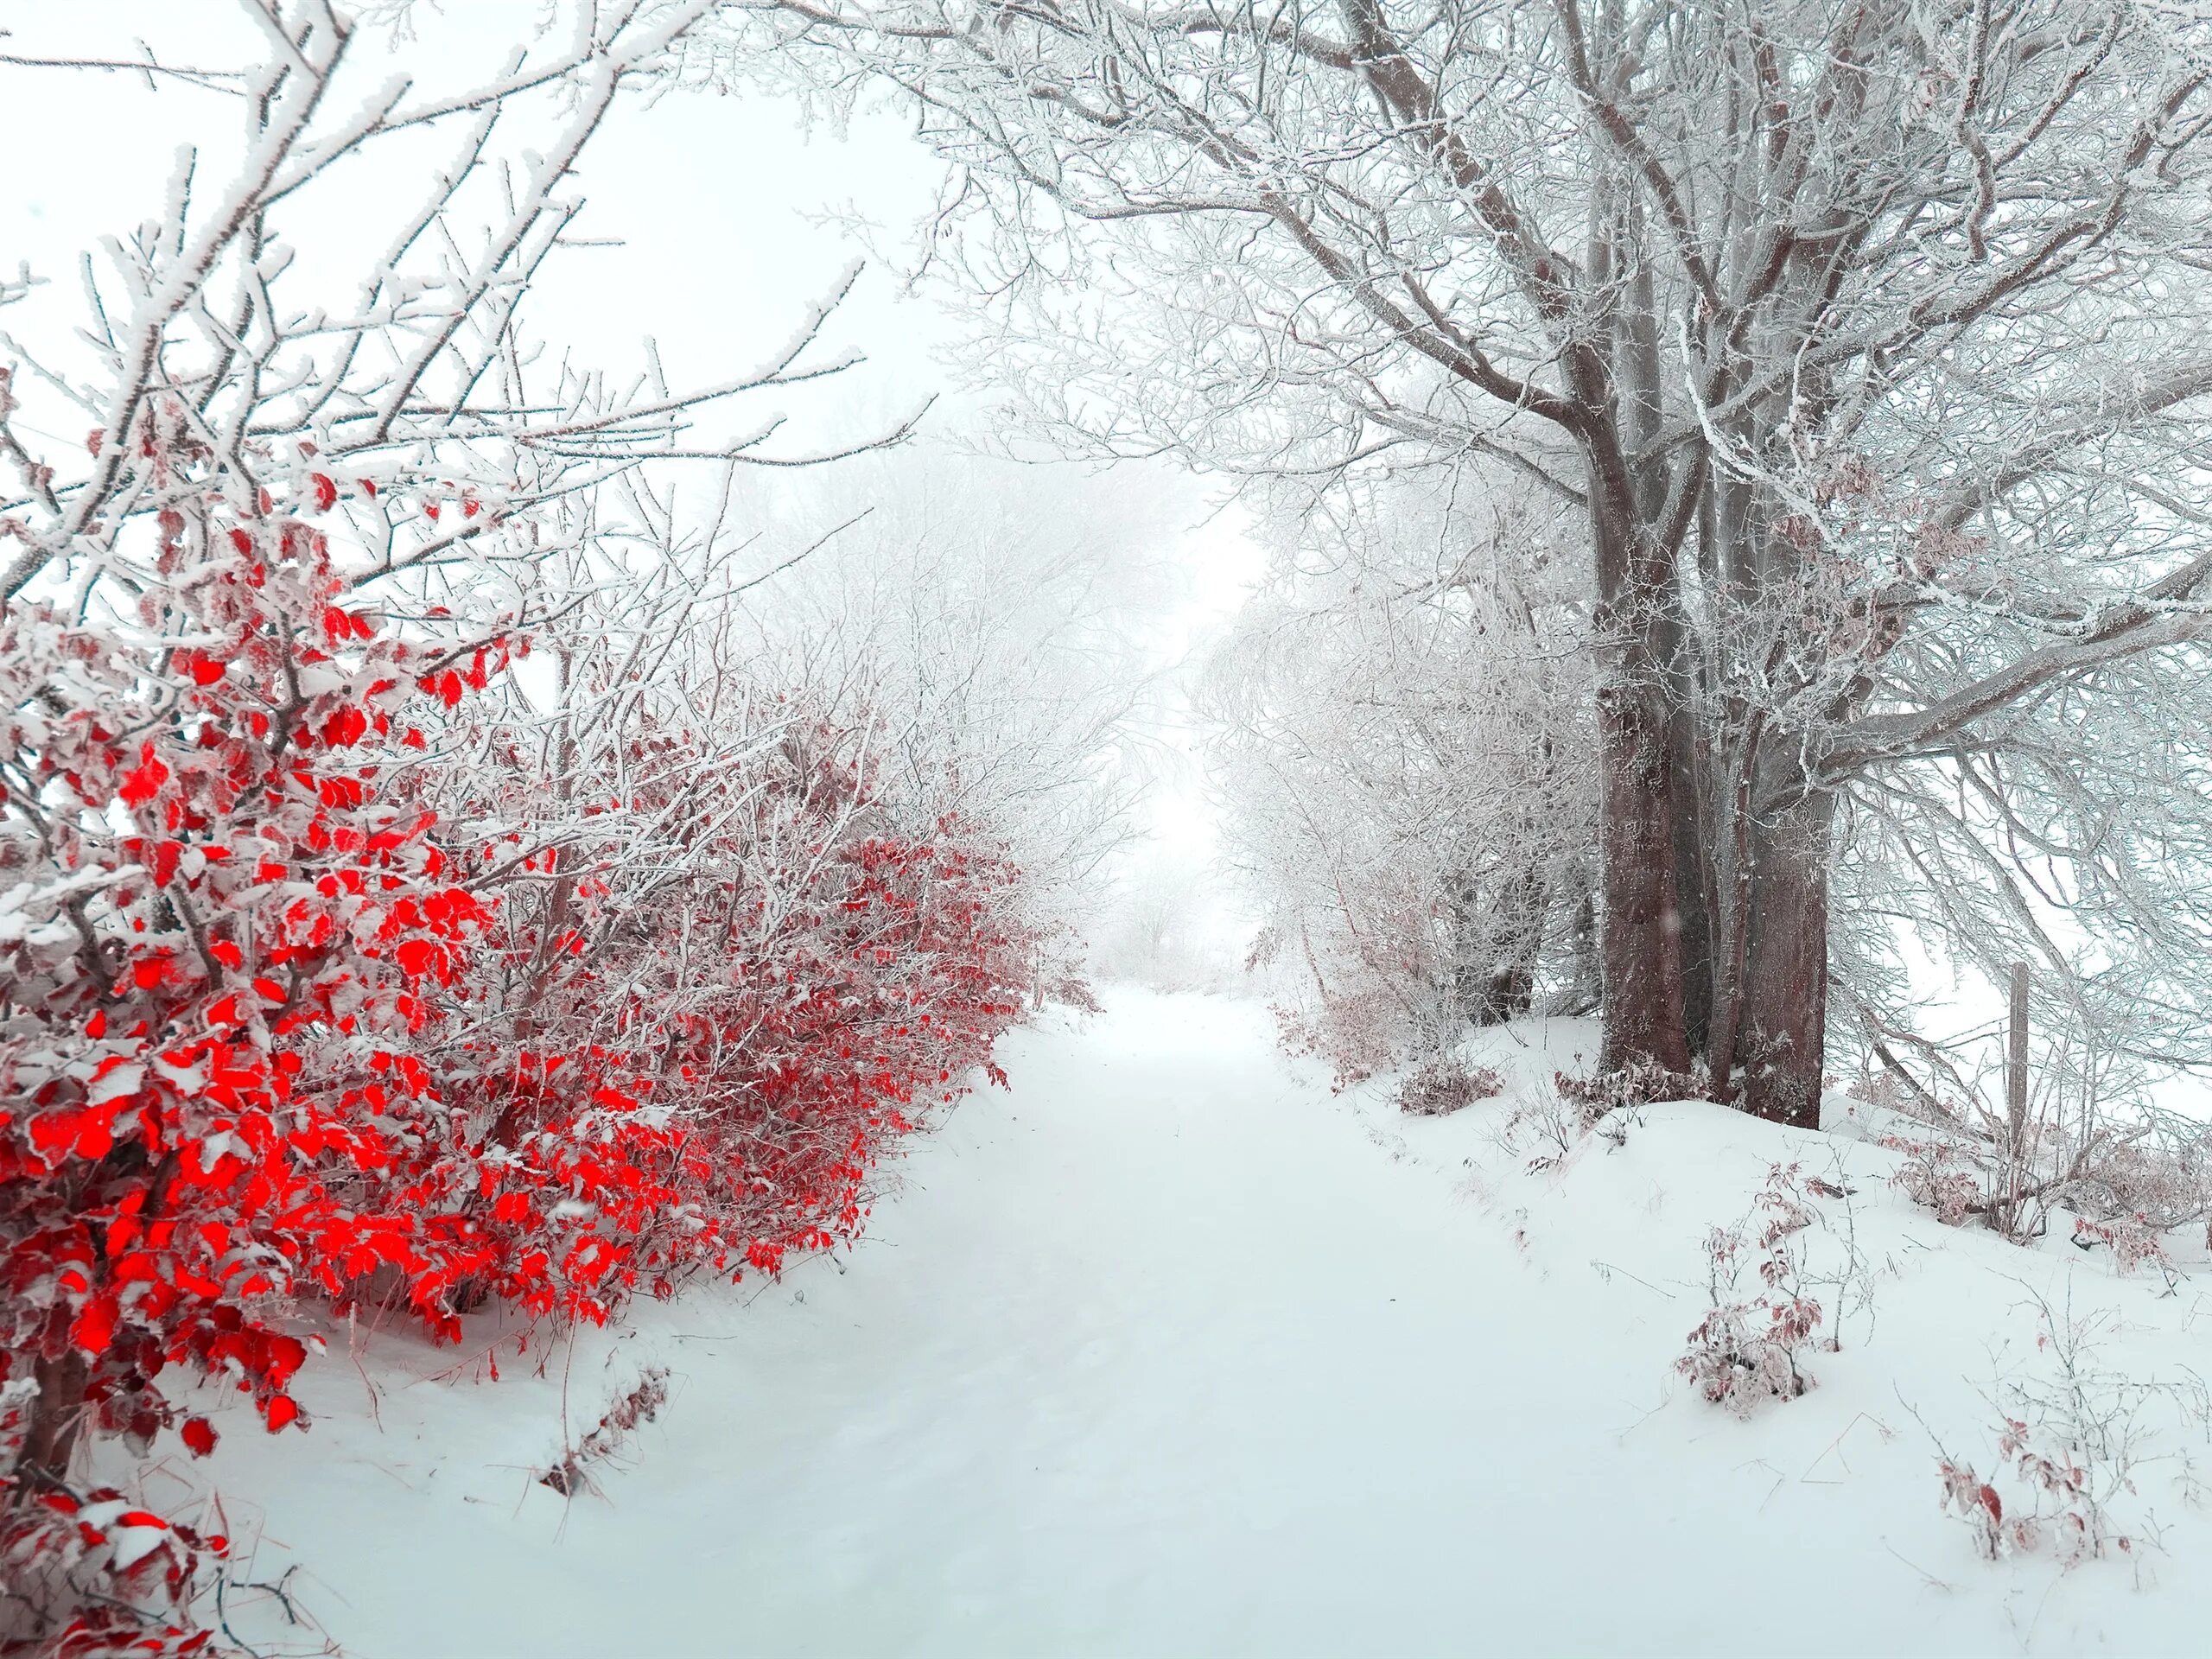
x: 1170, y: 1351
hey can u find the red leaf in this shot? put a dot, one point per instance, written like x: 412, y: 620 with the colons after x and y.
x: 143, y: 781
x: 200, y: 1436
x: 95, y: 1327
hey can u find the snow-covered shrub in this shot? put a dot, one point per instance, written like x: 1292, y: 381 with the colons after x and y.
x: 2132, y: 1240
x: 90, y: 1572
x: 1356, y: 1030
x: 1446, y: 1083
x: 227, y: 949
x: 2127, y: 1182
x: 347, y: 953
x: 1935, y: 1175
x: 1638, y: 1084
x: 94, y: 1573
x: 2083, y: 1136
x: 1751, y: 1346
x: 2071, y: 1437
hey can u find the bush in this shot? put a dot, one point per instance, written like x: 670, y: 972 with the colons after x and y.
x: 282, y: 1024
x: 1751, y: 1346
x: 1445, y: 1084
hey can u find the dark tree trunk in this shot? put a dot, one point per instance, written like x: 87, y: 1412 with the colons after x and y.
x: 1694, y: 896
x: 1641, y: 959
x: 1510, y: 985
x: 1783, y: 1027
x: 1641, y: 953
x: 1497, y: 972
x: 57, y: 1417
x: 1638, y: 382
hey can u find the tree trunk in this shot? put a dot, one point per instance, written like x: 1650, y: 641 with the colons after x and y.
x: 1699, y: 935
x: 1639, y: 383
x: 1641, y: 959
x: 1641, y: 954
x: 1783, y: 1023
x: 1511, y: 982
x: 57, y: 1416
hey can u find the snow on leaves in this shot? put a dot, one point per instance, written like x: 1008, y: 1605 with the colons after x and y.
x: 280, y: 1028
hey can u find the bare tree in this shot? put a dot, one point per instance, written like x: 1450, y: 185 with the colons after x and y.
x: 1403, y: 743
x: 995, y: 619
x: 1870, y: 337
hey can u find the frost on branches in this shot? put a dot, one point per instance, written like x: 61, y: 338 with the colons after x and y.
x: 1408, y: 773
x: 275, y: 1031
x: 371, y: 932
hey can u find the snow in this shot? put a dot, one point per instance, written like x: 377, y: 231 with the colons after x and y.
x: 1168, y: 1351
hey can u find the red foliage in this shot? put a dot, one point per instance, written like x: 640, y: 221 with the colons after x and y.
x: 652, y: 1109
x: 217, y: 947
x: 105, y: 1576
x: 1749, y: 1346
x: 259, y: 1054
x: 276, y: 1029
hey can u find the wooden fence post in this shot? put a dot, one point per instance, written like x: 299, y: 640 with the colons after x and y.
x: 2016, y: 1087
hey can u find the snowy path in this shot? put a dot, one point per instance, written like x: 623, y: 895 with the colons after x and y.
x: 1139, y: 1366
x: 1158, y: 1354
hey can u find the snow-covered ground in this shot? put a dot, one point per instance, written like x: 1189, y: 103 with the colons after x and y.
x: 1170, y: 1351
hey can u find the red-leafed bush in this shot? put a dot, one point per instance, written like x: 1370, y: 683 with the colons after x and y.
x: 280, y: 1025
x: 270, y: 1039
x: 94, y: 1573
x: 337, y: 964
x: 221, y: 947
x: 700, y: 1040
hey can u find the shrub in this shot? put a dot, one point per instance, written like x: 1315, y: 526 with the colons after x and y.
x: 1444, y: 1084
x: 2071, y: 1438
x: 281, y: 1025
x: 1751, y: 1346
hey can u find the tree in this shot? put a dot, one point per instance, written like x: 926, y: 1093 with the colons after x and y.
x: 1402, y: 741
x: 1870, y: 340
x: 996, y: 618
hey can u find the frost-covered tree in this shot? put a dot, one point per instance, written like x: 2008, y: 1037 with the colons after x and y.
x: 1404, y: 744
x: 1000, y: 621
x: 1870, y: 339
